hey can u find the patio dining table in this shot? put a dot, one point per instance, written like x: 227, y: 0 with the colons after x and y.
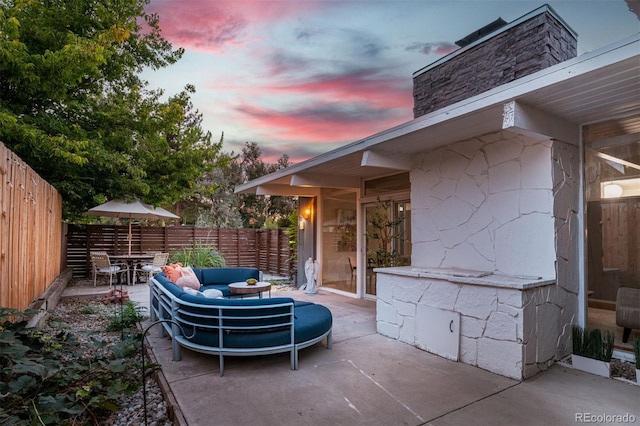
x: 132, y: 260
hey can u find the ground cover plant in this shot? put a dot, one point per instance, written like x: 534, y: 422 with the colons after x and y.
x: 59, y: 375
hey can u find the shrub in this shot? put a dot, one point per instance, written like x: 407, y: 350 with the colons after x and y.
x: 636, y: 351
x: 199, y: 256
x: 591, y: 343
x: 131, y: 315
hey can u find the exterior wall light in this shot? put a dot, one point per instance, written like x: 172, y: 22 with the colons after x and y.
x: 612, y: 191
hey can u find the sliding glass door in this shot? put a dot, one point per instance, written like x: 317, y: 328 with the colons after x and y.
x: 388, y: 238
x: 612, y: 198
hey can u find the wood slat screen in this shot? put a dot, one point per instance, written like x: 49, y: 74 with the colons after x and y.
x: 265, y: 249
x: 31, y: 248
x: 621, y: 239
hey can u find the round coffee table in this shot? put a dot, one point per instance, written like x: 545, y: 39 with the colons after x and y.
x: 241, y: 288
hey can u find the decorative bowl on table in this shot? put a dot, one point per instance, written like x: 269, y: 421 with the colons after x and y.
x: 251, y: 281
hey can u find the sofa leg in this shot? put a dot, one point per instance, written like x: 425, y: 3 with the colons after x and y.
x: 294, y: 359
x: 329, y: 342
x: 176, y: 352
x: 625, y: 334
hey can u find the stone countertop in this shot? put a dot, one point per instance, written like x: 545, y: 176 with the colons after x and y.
x: 464, y: 276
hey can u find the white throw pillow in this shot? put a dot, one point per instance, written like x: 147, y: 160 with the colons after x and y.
x: 192, y: 291
x: 212, y: 293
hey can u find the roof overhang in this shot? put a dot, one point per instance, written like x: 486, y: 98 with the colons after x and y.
x: 550, y: 104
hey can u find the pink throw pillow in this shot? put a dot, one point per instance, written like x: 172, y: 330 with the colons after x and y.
x: 190, y: 281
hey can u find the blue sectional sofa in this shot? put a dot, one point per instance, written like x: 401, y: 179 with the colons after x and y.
x: 236, y: 327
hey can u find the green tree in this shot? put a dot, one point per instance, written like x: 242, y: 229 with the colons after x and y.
x: 255, y: 210
x: 213, y: 203
x: 72, y: 104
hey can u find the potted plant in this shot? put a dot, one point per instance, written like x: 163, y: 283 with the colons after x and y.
x: 591, y: 350
x: 636, y: 352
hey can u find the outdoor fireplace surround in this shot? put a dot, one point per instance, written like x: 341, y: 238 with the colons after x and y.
x: 508, y: 325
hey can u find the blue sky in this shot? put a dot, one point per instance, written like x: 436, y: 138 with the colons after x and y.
x: 304, y: 77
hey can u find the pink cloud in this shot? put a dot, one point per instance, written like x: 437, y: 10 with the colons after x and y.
x: 209, y: 26
x: 382, y: 91
x: 322, y: 122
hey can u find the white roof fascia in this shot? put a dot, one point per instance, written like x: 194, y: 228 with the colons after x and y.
x: 556, y: 74
x: 334, y: 181
x: 287, y: 190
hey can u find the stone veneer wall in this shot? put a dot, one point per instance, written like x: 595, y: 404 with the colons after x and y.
x: 566, y: 190
x: 533, y: 45
x: 485, y: 204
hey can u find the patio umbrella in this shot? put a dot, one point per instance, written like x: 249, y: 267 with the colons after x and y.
x: 133, y: 209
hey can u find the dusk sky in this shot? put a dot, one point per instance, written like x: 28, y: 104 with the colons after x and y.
x: 305, y: 77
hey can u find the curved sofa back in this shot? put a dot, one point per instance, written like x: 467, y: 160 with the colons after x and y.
x: 180, y: 294
x: 225, y: 275
x: 218, y: 278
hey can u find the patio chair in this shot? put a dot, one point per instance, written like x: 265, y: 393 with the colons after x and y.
x: 150, y: 269
x: 628, y: 310
x: 353, y: 268
x: 101, y: 265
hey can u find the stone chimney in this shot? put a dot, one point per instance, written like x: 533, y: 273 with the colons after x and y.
x: 496, y: 54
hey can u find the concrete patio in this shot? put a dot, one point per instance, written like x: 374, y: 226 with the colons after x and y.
x: 368, y: 379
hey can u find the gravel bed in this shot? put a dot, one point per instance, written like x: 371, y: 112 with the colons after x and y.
x: 618, y: 368
x: 88, y: 317
x: 623, y: 369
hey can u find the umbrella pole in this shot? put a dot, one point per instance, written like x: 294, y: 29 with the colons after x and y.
x: 129, y: 235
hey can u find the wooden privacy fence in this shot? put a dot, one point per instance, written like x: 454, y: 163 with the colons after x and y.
x: 30, y: 232
x: 265, y: 249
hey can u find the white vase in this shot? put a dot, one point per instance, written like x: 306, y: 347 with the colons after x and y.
x: 590, y: 365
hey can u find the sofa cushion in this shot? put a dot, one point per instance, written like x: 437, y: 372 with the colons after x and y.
x: 210, y: 337
x: 164, y: 281
x: 311, y: 321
